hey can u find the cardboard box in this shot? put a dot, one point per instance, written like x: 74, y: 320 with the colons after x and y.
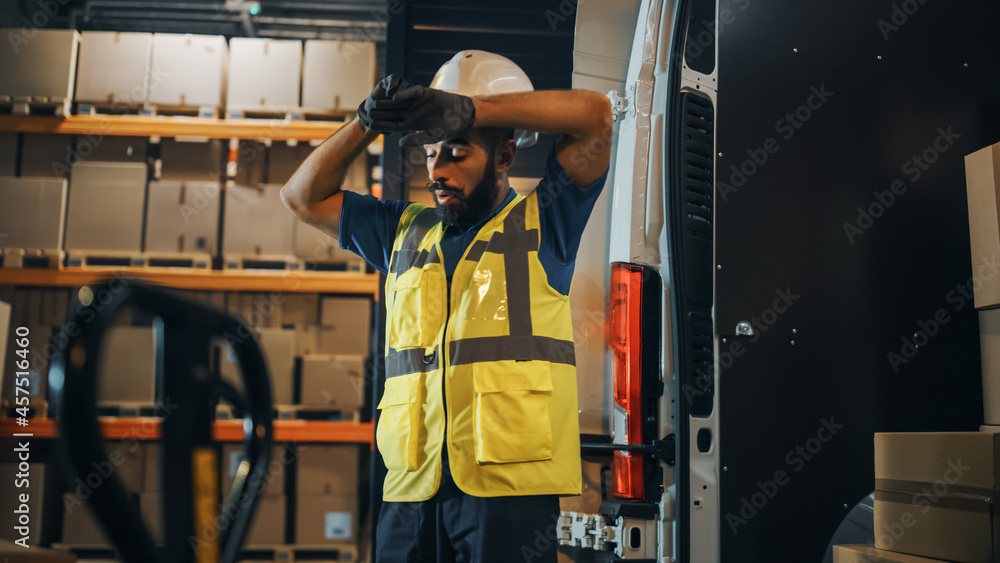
x: 300, y: 309
x: 256, y: 222
x: 982, y: 172
x: 40, y: 63
x: 115, y: 68
x: 333, y: 381
x: 868, y: 554
x: 32, y: 211
x: 328, y: 469
x: 90, y: 222
x: 233, y: 456
x: 127, y: 370
x: 935, y: 495
x: 326, y: 519
x: 268, y: 524
x: 989, y: 339
x: 278, y: 348
x: 193, y: 69
x: 183, y: 217
x: 10, y: 499
x: 264, y: 74
x: 337, y: 75
x: 347, y: 321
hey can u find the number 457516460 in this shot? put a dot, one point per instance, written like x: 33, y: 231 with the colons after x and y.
x: 21, y: 390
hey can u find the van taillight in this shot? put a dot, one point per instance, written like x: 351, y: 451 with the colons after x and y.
x: 625, y: 338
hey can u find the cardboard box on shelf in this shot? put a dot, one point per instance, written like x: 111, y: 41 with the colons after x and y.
x: 44, y: 67
x: 195, y: 65
x: 347, y: 321
x: 935, y: 494
x: 333, y: 381
x: 326, y: 519
x: 300, y: 309
x: 115, y: 68
x: 868, y: 554
x: 337, y: 75
x: 90, y: 225
x: 278, y: 348
x: 127, y: 368
x: 325, y: 469
x: 256, y: 222
x: 268, y: 524
x: 264, y: 74
x: 183, y: 217
x: 151, y: 510
x: 32, y: 212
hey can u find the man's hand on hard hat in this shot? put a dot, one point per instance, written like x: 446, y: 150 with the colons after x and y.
x: 428, y: 115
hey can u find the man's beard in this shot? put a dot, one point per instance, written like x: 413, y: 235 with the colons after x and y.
x: 468, y: 211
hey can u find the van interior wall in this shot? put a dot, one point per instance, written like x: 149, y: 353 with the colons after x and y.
x: 843, y: 237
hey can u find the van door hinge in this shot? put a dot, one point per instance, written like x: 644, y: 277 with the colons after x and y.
x: 620, y: 106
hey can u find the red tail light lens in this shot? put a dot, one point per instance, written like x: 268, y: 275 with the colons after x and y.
x: 627, y: 475
x: 625, y: 339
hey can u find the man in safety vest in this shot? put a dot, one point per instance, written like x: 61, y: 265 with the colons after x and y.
x: 478, y: 424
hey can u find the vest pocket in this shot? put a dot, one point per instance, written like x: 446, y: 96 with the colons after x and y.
x: 511, y: 411
x: 417, y: 309
x: 399, y: 431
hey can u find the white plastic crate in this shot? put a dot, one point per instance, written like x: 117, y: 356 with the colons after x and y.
x: 31, y: 212
x: 182, y: 217
x: 114, y: 68
x: 42, y: 66
x: 106, y: 203
x: 264, y: 74
x: 256, y: 222
x: 337, y: 75
x: 193, y: 67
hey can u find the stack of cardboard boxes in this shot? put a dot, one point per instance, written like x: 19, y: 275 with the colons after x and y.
x: 937, y: 494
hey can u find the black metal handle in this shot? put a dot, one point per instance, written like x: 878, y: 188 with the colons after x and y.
x: 186, y: 331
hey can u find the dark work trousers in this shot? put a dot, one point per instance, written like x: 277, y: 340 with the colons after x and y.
x: 455, y: 527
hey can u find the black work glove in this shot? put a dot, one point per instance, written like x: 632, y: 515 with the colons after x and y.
x: 428, y: 115
x: 381, y: 96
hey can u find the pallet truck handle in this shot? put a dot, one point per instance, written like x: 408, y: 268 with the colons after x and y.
x: 189, y: 388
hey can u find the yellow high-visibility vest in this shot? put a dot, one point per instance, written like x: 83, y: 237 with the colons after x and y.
x: 502, y: 352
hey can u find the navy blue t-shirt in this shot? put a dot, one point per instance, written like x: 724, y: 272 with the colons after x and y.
x: 368, y: 226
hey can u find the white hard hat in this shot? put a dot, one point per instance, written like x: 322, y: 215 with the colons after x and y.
x: 479, y: 73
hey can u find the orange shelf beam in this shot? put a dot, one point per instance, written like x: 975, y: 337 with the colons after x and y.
x: 164, y: 126
x: 148, y: 428
x: 203, y: 280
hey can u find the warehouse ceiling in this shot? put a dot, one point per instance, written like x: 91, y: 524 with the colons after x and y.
x: 357, y: 20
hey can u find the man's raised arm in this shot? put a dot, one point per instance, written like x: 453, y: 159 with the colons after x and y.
x: 582, y: 117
